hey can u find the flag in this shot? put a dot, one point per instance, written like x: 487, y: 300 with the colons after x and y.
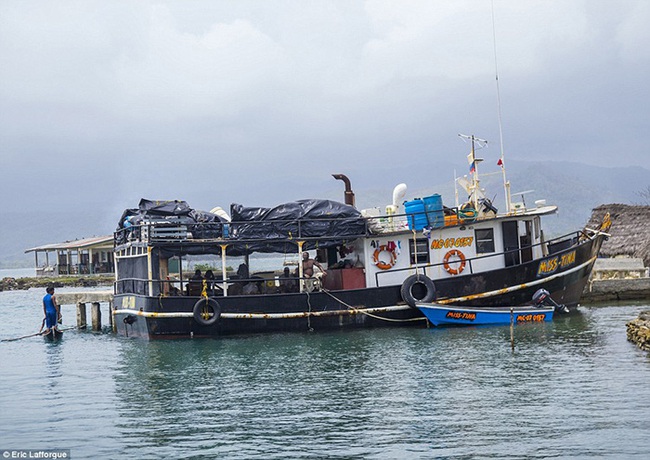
x: 500, y: 162
x: 472, y: 162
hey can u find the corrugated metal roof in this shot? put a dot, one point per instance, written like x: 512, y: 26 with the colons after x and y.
x: 83, y: 243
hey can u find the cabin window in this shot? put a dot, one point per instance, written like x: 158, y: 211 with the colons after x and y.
x: 484, y: 238
x: 419, y: 251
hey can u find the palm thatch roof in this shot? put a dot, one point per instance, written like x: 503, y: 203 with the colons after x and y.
x: 630, y: 230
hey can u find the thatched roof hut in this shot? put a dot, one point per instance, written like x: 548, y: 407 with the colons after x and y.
x: 630, y: 230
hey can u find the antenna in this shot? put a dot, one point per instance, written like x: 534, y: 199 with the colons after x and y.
x: 476, y: 143
x: 506, y: 184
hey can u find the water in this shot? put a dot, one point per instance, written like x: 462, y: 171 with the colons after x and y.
x: 17, y: 272
x: 573, y: 388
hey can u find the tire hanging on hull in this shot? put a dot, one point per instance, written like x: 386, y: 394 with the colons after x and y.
x: 412, y: 286
x: 207, y: 311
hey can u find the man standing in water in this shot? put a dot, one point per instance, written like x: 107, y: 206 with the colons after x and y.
x: 51, y: 309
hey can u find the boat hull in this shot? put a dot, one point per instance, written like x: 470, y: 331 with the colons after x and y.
x: 440, y: 315
x: 173, y: 317
x: 53, y: 335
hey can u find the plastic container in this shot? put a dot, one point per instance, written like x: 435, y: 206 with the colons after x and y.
x: 433, y: 208
x: 415, y: 213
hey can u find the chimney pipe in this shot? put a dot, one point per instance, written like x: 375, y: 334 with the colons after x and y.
x: 349, y: 194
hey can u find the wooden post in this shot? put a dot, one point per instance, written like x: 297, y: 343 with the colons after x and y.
x: 96, y: 316
x: 110, y: 314
x: 81, y: 315
x: 512, y: 329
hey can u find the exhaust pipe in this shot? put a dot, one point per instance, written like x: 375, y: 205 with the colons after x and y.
x: 349, y: 194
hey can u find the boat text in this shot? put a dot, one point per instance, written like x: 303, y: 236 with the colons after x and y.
x: 452, y: 243
x: 548, y: 266
x: 531, y: 318
x: 461, y: 315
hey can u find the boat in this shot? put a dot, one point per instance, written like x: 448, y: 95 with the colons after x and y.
x: 379, y: 263
x: 446, y: 314
x: 542, y: 309
x: 53, y: 334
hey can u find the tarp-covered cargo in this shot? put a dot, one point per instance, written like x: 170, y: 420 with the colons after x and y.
x: 319, y: 223
x: 329, y: 222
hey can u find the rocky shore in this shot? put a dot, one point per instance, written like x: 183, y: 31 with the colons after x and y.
x: 638, y: 331
x: 17, y: 284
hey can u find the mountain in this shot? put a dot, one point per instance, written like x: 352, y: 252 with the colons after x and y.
x: 576, y: 188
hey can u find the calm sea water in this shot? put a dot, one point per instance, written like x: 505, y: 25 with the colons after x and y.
x: 574, y: 388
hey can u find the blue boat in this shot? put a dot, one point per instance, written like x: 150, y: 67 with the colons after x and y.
x: 542, y: 309
x: 439, y: 315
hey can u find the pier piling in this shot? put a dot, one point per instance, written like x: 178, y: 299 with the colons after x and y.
x: 81, y: 315
x: 96, y: 316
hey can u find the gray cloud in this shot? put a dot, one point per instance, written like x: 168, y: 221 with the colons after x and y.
x: 258, y: 102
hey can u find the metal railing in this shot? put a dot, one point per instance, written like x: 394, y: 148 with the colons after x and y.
x: 549, y: 247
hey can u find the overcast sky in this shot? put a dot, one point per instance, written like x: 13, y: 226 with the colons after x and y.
x: 258, y: 102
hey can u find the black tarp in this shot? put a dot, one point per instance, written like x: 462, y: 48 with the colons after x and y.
x: 319, y: 223
x: 201, y: 224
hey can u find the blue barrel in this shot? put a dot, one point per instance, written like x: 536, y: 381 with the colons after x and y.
x: 415, y: 214
x: 433, y: 207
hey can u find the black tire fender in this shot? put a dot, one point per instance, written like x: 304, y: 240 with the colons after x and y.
x: 207, y: 311
x: 412, y: 281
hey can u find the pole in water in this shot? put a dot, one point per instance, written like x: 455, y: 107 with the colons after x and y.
x: 512, y: 328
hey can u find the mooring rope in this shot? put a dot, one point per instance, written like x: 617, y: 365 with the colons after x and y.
x: 39, y: 333
x: 357, y: 310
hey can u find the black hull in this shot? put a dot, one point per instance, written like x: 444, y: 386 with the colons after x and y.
x: 171, y: 317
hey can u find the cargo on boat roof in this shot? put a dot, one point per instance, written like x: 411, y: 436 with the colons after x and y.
x: 320, y: 223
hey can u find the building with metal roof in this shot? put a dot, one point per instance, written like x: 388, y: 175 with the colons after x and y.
x: 87, y: 256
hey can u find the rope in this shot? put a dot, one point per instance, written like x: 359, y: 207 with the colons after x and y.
x: 36, y: 334
x: 356, y: 310
x: 309, y: 328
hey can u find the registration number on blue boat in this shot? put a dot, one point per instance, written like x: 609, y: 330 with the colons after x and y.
x: 531, y: 318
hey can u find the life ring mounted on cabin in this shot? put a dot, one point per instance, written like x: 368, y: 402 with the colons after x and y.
x: 461, y: 258
x: 380, y: 263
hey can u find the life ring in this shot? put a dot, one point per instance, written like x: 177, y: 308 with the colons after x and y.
x: 445, y: 262
x: 206, y: 311
x: 381, y: 264
x: 411, y: 295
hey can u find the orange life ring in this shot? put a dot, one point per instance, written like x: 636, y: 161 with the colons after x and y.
x: 445, y: 261
x: 381, y: 264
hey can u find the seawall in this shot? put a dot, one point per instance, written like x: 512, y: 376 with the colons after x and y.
x: 616, y: 289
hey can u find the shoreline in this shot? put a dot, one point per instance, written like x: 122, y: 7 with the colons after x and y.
x: 24, y: 283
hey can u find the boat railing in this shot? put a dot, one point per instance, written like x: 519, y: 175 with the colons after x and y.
x: 233, y: 285
x: 174, y: 230
x: 548, y: 247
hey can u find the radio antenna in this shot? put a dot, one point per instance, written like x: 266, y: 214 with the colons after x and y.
x: 506, y: 184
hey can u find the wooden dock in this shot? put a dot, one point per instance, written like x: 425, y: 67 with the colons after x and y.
x: 94, y: 298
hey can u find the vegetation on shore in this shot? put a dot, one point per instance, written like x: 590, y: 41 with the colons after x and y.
x: 16, y: 284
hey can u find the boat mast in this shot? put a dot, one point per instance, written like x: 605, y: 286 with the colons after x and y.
x: 474, y: 189
x: 506, y: 184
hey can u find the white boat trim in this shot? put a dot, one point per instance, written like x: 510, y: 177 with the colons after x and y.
x: 302, y: 314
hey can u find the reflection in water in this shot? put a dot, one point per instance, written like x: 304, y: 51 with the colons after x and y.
x: 572, y: 388
x: 412, y: 392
